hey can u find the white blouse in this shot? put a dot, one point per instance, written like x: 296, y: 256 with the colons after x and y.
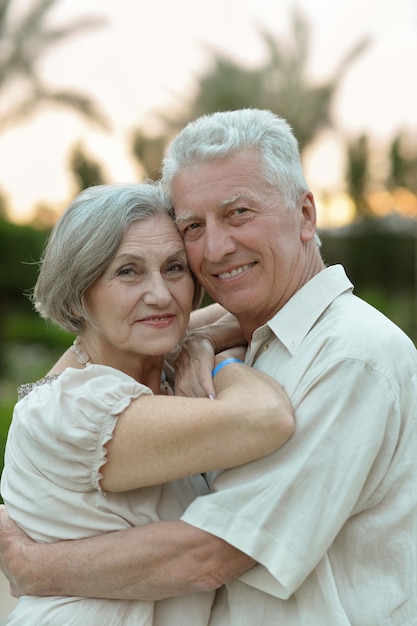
x: 50, y: 485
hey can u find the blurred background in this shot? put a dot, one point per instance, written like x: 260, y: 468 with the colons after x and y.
x: 91, y: 92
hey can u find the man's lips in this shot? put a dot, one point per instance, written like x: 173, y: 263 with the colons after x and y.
x: 236, y: 271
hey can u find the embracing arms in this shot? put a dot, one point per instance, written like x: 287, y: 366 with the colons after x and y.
x: 151, y: 562
x: 160, y: 559
x: 250, y: 418
x: 211, y: 330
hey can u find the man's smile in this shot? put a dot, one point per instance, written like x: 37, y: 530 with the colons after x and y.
x: 236, y: 271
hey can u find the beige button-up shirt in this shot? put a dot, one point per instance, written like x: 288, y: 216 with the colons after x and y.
x: 331, y: 517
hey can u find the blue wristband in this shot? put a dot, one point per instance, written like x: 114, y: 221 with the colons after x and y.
x: 223, y: 363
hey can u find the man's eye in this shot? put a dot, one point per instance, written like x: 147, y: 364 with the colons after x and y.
x: 192, y: 226
x: 191, y: 231
x: 176, y: 268
x: 239, y: 212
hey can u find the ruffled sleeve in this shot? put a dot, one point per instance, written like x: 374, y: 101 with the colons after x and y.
x: 65, y: 423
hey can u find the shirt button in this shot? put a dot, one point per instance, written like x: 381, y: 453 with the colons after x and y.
x: 266, y: 346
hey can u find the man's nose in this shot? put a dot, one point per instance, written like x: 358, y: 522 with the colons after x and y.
x: 218, y: 242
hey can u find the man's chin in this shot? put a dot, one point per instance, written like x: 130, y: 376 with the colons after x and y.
x: 237, y: 305
x: 236, y: 301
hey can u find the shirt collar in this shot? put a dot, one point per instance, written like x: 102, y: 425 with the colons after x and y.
x: 293, y: 322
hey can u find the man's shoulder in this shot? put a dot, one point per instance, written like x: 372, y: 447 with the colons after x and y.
x: 352, y: 328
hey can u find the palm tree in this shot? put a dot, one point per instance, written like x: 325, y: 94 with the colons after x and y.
x: 281, y: 84
x: 85, y: 169
x: 24, y: 39
x: 289, y: 92
x: 358, y: 175
x: 402, y: 163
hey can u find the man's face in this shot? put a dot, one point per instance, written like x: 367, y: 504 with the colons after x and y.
x: 243, y: 243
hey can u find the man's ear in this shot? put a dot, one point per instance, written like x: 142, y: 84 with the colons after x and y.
x: 308, y: 217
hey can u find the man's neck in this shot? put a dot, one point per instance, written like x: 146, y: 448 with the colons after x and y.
x: 249, y: 323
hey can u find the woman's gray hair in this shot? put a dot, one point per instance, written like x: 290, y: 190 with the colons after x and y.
x: 219, y: 135
x: 84, y: 241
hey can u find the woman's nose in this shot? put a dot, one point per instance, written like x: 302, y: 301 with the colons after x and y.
x: 157, y: 292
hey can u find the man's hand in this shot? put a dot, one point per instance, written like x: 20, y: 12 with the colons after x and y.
x: 193, y: 367
x: 12, y: 540
x: 211, y: 331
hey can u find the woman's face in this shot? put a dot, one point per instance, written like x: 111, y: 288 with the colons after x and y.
x: 141, y: 304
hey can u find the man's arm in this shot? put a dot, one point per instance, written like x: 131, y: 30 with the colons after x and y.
x: 151, y: 562
x: 218, y: 325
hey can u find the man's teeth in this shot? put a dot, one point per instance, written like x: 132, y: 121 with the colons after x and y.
x: 235, y: 272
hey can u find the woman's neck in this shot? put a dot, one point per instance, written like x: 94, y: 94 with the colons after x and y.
x: 151, y: 373
x: 145, y: 369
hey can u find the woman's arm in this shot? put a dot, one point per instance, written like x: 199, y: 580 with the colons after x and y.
x: 162, y: 438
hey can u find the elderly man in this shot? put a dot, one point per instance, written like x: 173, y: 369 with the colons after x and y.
x: 329, y: 519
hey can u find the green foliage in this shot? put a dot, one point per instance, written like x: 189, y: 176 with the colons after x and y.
x: 30, y: 328
x: 20, y: 251
x: 6, y: 410
x: 381, y: 265
x: 30, y: 350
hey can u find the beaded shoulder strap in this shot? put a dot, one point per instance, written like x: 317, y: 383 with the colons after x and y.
x: 26, y: 388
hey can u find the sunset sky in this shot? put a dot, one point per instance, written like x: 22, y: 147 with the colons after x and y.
x: 150, y: 51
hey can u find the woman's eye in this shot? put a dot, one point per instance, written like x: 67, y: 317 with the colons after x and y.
x: 125, y: 271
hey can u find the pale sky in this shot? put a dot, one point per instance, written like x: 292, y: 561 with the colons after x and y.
x: 150, y: 52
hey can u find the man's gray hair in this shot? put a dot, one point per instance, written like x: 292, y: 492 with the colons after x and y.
x: 219, y: 135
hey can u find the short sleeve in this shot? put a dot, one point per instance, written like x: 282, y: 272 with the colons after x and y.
x: 64, y: 425
x: 272, y: 508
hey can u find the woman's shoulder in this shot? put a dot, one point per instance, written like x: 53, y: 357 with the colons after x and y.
x: 24, y: 389
x: 91, y: 392
x: 75, y: 378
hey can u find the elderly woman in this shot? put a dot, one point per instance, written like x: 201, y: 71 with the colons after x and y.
x: 99, y: 444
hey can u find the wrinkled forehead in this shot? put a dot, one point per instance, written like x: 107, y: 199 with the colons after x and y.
x: 218, y: 183
x: 151, y: 229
